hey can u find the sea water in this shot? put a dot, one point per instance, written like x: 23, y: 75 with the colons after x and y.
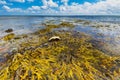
x: 109, y: 32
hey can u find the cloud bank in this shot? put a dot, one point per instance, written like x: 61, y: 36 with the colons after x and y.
x: 3, y: 2
x: 21, y: 1
x: 49, y: 6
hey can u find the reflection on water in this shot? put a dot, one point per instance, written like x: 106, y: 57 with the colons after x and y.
x: 48, y: 47
x: 106, y: 28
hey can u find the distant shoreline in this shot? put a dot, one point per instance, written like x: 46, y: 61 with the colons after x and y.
x: 58, y: 15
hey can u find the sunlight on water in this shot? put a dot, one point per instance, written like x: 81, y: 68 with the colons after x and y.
x: 81, y: 48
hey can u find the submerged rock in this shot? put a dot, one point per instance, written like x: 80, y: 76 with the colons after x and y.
x: 9, y: 30
x: 54, y: 38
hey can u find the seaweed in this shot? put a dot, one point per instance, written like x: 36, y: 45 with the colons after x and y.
x: 66, y: 24
x: 9, y: 37
x: 49, y: 27
x: 79, y: 21
x: 86, y: 23
x: 71, y: 58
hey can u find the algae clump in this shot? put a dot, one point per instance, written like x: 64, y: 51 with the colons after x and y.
x: 9, y: 37
x: 66, y: 24
x: 71, y: 58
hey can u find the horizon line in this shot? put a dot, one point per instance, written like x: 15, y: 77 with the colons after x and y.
x: 61, y: 15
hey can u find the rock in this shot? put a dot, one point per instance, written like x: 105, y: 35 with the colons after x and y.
x: 54, y: 38
x: 9, y: 30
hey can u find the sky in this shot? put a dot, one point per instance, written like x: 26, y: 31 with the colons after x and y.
x: 59, y: 7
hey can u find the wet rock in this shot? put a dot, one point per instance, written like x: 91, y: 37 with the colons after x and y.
x: 54, y: 38
x: 9, y: 30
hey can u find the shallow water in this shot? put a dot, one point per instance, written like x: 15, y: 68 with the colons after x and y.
x: 109, y: 31
x: 81, y: 46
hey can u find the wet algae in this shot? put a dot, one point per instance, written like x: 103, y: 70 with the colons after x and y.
x: 71, y: 58
x: 8, y: 37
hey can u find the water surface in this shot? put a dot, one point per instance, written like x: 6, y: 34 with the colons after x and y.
x: 106, y: 28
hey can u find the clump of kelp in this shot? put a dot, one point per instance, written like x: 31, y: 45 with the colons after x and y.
x: 71, y: 58
x: 49, y: 27
x: 8, y: 37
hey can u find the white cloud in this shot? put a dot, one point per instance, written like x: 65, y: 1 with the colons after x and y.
x: 44, y: 7
x: 50, y: 7
x: 45, y: 4
x: 65, y: 2
x: 39, y: 10
x: 52, y: 4
x: 34, y: 8
x: 101, y: 7
x: 12, y: 9
x: 49, y: 3
x: 21, y: 1
x: 3, y: 2
x: 6, y: 7
x: 45, y: 11
x: 30, y: 0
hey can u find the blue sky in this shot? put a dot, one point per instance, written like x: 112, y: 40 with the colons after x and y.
x: 59, y: 7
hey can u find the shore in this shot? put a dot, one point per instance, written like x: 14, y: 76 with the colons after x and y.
x: 58, y: 51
